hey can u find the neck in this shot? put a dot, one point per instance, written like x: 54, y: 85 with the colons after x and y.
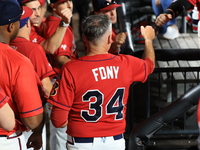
x: 4, y: 40
x: 24, y: 34
x: 95, y: 50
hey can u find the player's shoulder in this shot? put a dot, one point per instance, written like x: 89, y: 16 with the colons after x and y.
x: 13, y: 56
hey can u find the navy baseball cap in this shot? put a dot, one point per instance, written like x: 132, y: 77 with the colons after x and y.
x: 54, y: 1
x: 104, y: 4
x: 27, y: 12
x: 10, y: 11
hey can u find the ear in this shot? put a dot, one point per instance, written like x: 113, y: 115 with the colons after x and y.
x: 83, y: 37
x: 52, y: 6
x: 10, y: 27
x: 110, y: 40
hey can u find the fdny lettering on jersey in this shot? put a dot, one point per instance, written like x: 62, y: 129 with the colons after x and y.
x: 108, y: 72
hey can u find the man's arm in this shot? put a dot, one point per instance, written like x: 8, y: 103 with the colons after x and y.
x: 46, y: 83
x: 52, y: 44
x: 58, y: 120
x: 62, y: 60
x: 119, y: 40
x: 149, y: 34
x: 7, y: 117
x: 35, y: 140
x: 173, y: 11
x: 33, y: 122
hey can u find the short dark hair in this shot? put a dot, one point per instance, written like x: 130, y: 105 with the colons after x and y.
x: 94, y: 26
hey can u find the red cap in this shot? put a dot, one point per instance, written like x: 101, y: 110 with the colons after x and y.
x: 104, y: 4
x: 110, y: 7
x: 27, y: 12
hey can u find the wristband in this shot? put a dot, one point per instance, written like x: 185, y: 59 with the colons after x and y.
x: 63, y: 24
x: 170, y: 11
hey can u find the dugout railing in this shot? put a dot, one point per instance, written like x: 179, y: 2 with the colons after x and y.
x: 158, y: 96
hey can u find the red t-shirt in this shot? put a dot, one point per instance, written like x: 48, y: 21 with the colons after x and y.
x: 36, y: 54
x: 67, y: 47
x: 95, y: 95
x: 18, y: 80
x: 3, y: 98
x: 35, y: 37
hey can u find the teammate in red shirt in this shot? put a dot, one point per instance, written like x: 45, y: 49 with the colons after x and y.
x: 108, y: 7
x: 18, y: 80
x: 67, y: 49
x: 51, y: 44
x: 33, y: 51
x: 92, y: 99
x: 7, y: 118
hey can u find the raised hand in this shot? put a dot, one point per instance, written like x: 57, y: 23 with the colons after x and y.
x: 162, y: 19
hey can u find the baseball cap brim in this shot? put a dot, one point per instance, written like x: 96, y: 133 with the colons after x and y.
x: 110, y: 7
x: 27, y: 12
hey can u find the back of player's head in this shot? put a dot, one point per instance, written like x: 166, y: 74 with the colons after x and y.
x: 99, y: 5
x: 95, y: 26
x: 10, y: 11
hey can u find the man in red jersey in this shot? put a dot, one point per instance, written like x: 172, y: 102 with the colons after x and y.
x: 67, y: 49
x: 92, y: 99
x: 108, y: 7
x: 7, y: 118
x: 33, y: 51
x: 52, y: 43
x: 64, y: 54
x: 18, y: 80
x: 36, y: 54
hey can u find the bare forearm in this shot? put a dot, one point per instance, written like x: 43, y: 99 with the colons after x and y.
x: 46, y: 82
x: 7, y: 118
x: 33, y: 122
x: 149, y: 51
x: 53, y: 43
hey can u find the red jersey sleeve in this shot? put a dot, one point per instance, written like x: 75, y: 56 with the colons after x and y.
x: 26, y: 93
x: 138, y: 69
x: 40, y: 63
x: 64, y: 99
x: 3, y: 98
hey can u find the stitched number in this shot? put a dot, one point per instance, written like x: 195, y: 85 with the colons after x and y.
x: 95, y: 106
x: 114, y: 105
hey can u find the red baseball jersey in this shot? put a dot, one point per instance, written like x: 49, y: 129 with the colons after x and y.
x: 19, y: 81
x: 95, y: 95
x: 35, y: 37
x: 67, y: 47
x: 3, y: 98
x: 36, y: 54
